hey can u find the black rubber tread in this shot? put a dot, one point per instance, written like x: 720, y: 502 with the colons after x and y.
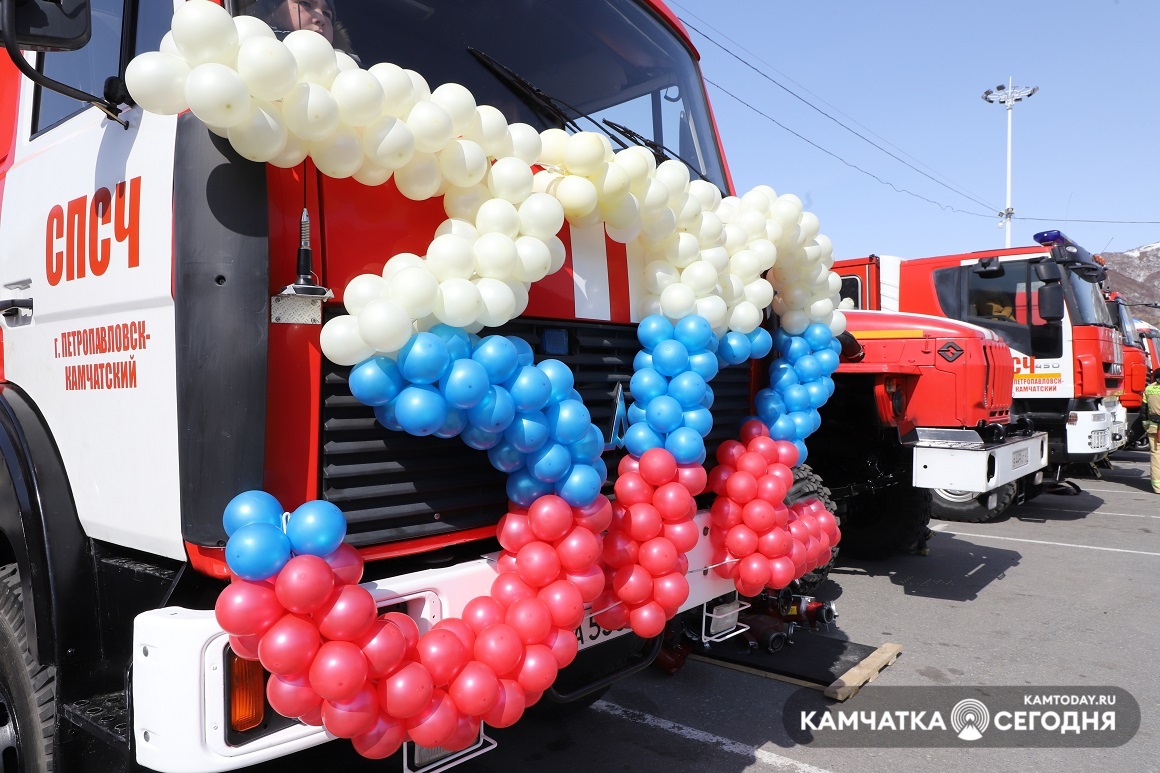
x: 30, y: 686
x: 891, y: 521
x: 807, y: 484
x: 974, y: 511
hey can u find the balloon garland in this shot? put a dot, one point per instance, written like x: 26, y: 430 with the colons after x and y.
x: 713, y: 265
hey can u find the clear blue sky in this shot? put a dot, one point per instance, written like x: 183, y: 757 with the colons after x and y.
x: 912, y: 74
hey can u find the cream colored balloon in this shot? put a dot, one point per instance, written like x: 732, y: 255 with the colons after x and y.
x: 712, y: 231
x: 398, y: 90
x: 623, y: 235
x: 583, y: 153
x: 489, y: 128
x: 463, y: 163
x: 420, y: 178
x: 371, y: 174
x: 345, y: 61
x: 217, y: 94
x: 293, y: 153
x: 389, y: 142
x: 714, y: 309
x: 359, y: 96
x: 464, y: 203
x: 675, y: 175
x: 341, y: 342
x: 577, y: 195
x: 459, y: 103
x: 759, y: 292
x: 534, y: 259
x: 624, y: 213
x: 157, y: 82
x: 541, y: 216
x: 262, y: 136
x: 419, y: 86
x: 649, y: 305
x: 520, y: 293
x: 765, y: 253
x: 204, y: 32
x: 451, y: 257
x: 457, y: 227
x: 736, y: 237
x: 361, y: 290
x: 717, y: 257
x: 385, y: 325
x: 310, y: 112
x: 660, y: 224
x: 340, y: 155
x: 314, y: 55
x: 414, y: 289
x: 688, y: 251
x: 821, y: 309
x: 611, y: 181
x: 838, y: 323
x: 744, y: 264
x: 678, y: 300
x: 660, y: 274
x: 167, y: 46
x: 497, y: 302
x: 496, y: 256
x: 701, y: 277
x: 656, y: 198
x: 744, y: 318
x: 636, y: 165
x: 431, y: 125
x: 267, y: 67
x: 510, y: 178
x: 249, y: 27
x: 526, y: 144
x: 559, y: 253
x: 399, y: 262
x: 498, y: 216
x: 459, y: 303
x: 707, y: 193
x: 552, y: 144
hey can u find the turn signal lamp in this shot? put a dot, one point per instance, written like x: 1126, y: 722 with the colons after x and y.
x: 247, y: 693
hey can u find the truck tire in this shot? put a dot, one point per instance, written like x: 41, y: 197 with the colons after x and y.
x: 27, y: 689
x: 890, y: 521
x: 807, y: 484
x: 969, y: 507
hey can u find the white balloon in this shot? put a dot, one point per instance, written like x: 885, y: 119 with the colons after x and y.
x: 732, y: 289
x: 611, y: 183
x: 552, y: 144
x: 398, y: 91
x: 833, y: 283
x: 587, y: 221
x: 649, y: 305
x: 204, y: 32
x: 678, y: 300
x: 736, y: 237
x: 399, y: 262
x: 534, y: 259
x: 656, y: 198
x: 796, y: 296
x: 315, y: 56
x: 714, y: 309
x: 637, y: 165
x: 541, y: 215
x: 809, y: 225
x: 459, y: 104
x: 497, y: 302
x: 419, y: 179
x: 700, y: 276
x: 745, y: 317
x: 821, y: 309
x: 249, y: 27
x: 267, y: 67
x: 717, y: 257
x: 777, y: 306
x: 414, y: 289
x: 293, y: 153
x: 451, y: 257
x: 359, y: 96
x: 262, y: 135
x: 623, y: 235
x: 712, y: 231
x: 167, y: 46
x: 744, y: 264
x: 458, y: 303
x: 510, y: 178
x: 659, y: 225
x: 498, y: 216
x: 577, y: 195
x: 496, y: 256
x: 457, y: 227
x: 431, y: 125
x: 371, y: 174
x: 688, y: 251
x: 489, y: 128
x: 559, y: 253
x: 688, y: 211
x: 847, y: 303
x: 774, y: 231
x: 341, y: 343
x: 217, y: 94
x: 675, y: 175
x: 361, y: 290
x: 520, y: 293
x: 389, y: 142
x: 759, y: 292
x: 419, y: 86
x: 765, y: 253
x: 728, y: 209
x: 463, y: 163
x: 345, y: 61
x: 658, y: 275
x: 385, y: 325
x: 786, y: 210
x: 157, y: 82
x: 624, y: 213
x: 526, y: 144
x: 752, y: 222
x: 339, y: 155
x: 464, y: 203
x: 583, y: 153
x: 310, y: 112
x: 707, y: 193
x: 795, y: 321
x: 838, y: 323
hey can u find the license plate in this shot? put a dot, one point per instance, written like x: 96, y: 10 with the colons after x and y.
x: 589, y: 633
x: 1021, y: 457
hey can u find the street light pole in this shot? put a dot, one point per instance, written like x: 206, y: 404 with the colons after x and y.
x: 1008, y: 95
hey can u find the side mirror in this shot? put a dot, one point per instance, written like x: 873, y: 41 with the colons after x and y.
x: 988, y: 268
x: 49, y: 25
x: 1048, y: 271
x: 1049, y: 298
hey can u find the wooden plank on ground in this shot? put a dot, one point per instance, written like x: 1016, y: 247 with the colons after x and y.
x: 849, y: 683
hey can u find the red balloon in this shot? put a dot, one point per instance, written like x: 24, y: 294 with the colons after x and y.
x: 312, y: 717
x: 745, y: 589
x: 476, y: 689
x: 589, y: 583
x: 338, y: 671
x: 247, y: 608
x: 289, y: 646
x: 693, y: 477
x: 245, y: 647
x: 383, y: 645
x: 619, y: 549
x: 774, y: 543
x: 725, y: 513
x: 670, y: 591
x: 464, y: 632
x: 631, y: 488
x: 466, y: 733
x: 628, y: 463
x: 759, y: 515
x: 406, y: 626
x: 483, y: 611
x: 811, y: 523
x: 442, y: 654
x: 510, y: 706
x: 382, y: 740
x: 550, y: 518
x: 563, y: 644
x: 766, y: 446
x: 499, y: 647
x: 509, y: 588
x: 717, y: 537
x: 771, y: 488
x: 532, y: 698
x: 304, y: 584
x: 596, y: 516
x: 797, y: 554
x: 658, y: 556
x: 754, y: 570
x: 835, y: 536
x: 674, y: 502
x: 658, y: 467
x: 292, y: 696
x: 826, y: 521
x: 538, y: 670
x: 506, y: 562
x: 537, y: 562
x: 683, y: 564
x: 741, y: 487
x: 348, y: 615
x: 346, y: 563
x: 354, y: 716
x: 753, y: 428
x: 564, y: 603
x: 787, y: 453
x: 718, y: 477
x: 741, y: 541
x: 753, y: 463
x: 723, y: 564
x: 578, y: 550
x: 643, y: 521
x: 406, y: 692
x: 612, y: 613
x: 514, y: 531
x: 728, y: 452
x: 531, y: 619
x: 436, y: 723
x: 799, y: 531
x: 785, y: 474
x: 781, y: 572
x: 632, y: 583
x: 647, y: 620
x: 683, y: 534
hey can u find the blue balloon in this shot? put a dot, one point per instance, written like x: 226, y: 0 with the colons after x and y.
x: 652, y: 330
x: 760, y: 343
x: 803, y: 425
x: 815, y: 419
x: 704, y: 364
x: 685, y: 444
x: 797, y: 348
x: 479, y: 439
x: 580, y: 487
x: 796, y: 398
x: 663, y: 414
x: 640, y: 438
x: 670, y: 358
x: 527, y: 432
x: 498, y: 356
x: 530, y: 388
x: 818, y: 393
x: 316, y: 528
x: 781, y: 375
x: 635, y: 414
x: 424, y: 358
x: 694, y: 331
x: 376, y: 381
x: 568, y: 421
x: 836, y: 346
x: 707, y: 400
x: 385, y: 414
x: 472, y: 340
x: 769, y: 404
x: 808, y: 369
x: 828, y: 360
x: 601, y: 470
x: 456, y: 339
x: 688, y: 388
x: 420, y: 410
x: 257, y: 551
x: 783, y: 428
x: 713, y: 345
x: 465, y: 384
x: 803, y: 452
x: 830, y: 386
x: 455, y: 423
x: 550, y: 463
x: 588, y: 449
x: 561, y: 378
x: 495, y: 412
x: 523, y: 488
x: 253, y: 506
x: 699, y: 419
x: 647, y: 384
x: 574, y: 395
x: 818, y: 336
x: 505, y: 457
x: 781, y: 339
x: 734, y: 348
x: 642, y: 361
x: 524, y: 354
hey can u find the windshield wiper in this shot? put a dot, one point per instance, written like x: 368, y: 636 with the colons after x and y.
x: 536, y: 99
x: 659, y: 150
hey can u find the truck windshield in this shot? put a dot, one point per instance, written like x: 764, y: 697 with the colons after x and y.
x: 608, y: 59
x: 1085, y: 301
x: 1008, y: 304
x: 1126, y: 324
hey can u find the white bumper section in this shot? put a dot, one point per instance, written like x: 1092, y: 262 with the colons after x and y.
x: 959, y: 460
x: 1090, y: 432
x: 179, y: 701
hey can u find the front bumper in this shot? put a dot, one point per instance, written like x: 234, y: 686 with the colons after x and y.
x: 959, y: 460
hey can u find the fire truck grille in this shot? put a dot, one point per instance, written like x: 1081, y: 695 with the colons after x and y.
x: 393, y: 486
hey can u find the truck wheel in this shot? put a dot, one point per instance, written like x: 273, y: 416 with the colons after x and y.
x: 890, y: 521
x: 27, y: 690
x: 807, y: 484
x: 969, y: 507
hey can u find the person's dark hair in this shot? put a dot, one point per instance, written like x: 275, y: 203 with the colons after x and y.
x: 265, y: 10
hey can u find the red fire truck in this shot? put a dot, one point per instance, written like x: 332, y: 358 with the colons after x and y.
x: 1045, y: 301
x: 1136, y: 371
x: 161, y: 372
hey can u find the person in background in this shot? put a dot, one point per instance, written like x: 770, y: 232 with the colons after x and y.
x: 1152, y: 411
x: 286, y: 16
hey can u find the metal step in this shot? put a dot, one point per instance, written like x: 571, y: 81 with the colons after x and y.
x: 103, y: 716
